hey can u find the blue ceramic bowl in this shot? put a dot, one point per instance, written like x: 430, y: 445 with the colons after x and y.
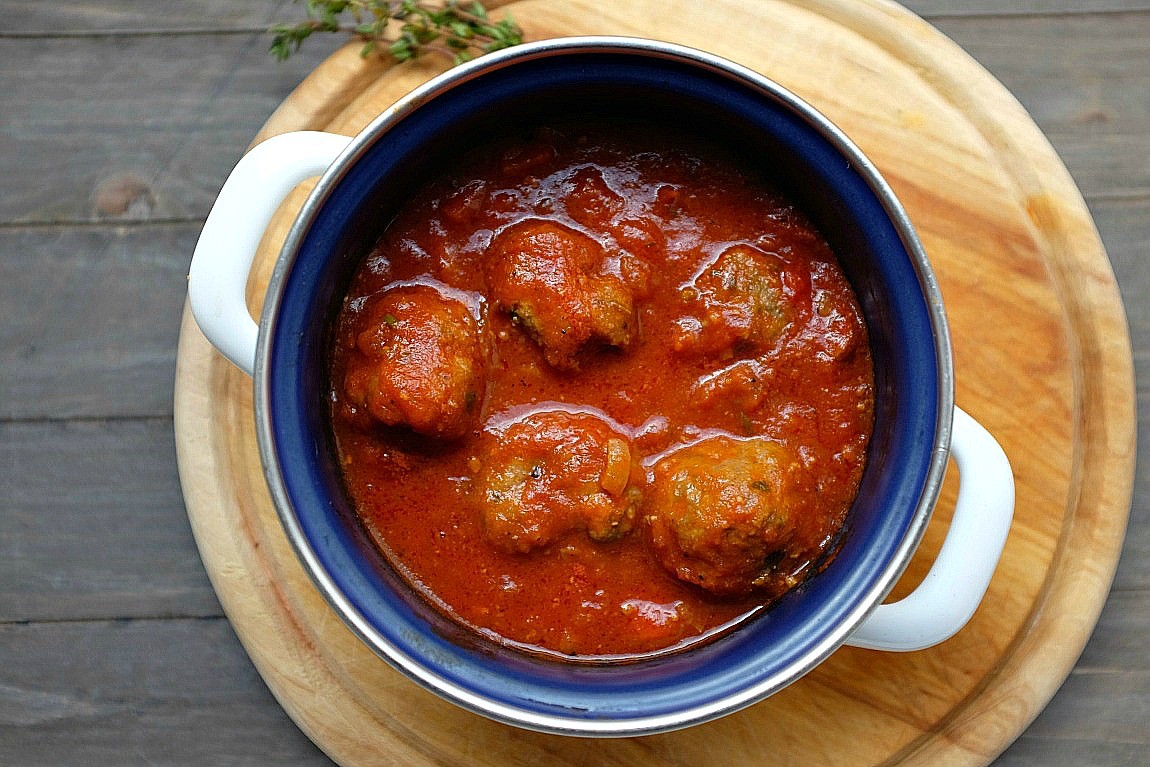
x: 822, y: 170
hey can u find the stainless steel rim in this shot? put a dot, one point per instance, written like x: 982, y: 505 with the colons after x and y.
x: 575, y: 725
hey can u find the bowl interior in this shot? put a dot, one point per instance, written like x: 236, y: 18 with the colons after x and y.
x: 345, y: 216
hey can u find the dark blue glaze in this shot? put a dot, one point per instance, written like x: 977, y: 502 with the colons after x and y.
x: 354, y: 204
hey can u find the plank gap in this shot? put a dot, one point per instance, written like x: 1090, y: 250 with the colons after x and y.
x: 124, y: 32
x: 78, y: 420
x: 165, y: 619
x: 998, y: 14
x: 81, y: 223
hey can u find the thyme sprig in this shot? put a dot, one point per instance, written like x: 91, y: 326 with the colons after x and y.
x: 403, y: 29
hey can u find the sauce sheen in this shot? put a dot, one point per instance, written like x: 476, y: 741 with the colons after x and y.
x: 601, y: 391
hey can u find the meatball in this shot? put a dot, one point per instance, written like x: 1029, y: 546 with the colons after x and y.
x: 419, y: 361
x: 739, y: 388
x: 550, y: 279
x: 737, y: 303
x: 721, y: 513
x: 591, y: 201
x: 554, y: 472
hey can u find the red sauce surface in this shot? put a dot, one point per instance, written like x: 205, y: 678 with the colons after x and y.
x: 601, y: 391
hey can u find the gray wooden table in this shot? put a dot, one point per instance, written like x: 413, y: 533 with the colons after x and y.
x: 119, y: 121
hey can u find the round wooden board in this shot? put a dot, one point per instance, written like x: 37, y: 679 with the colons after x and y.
x: 1042, y: 358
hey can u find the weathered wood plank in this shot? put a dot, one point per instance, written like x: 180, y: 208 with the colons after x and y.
x: 1125, y: 229
x: 100, y: 306
x: 1119, y: 641
x: 78, y: 114
x: 1133, y: 573
x: 930, y: 9
x: 1099, y: 716
x: 1103, y: 707
x: 174, y: 692
x: 1134, y: 568
x: 155, y: 152
x: 1084, y: 79
x: 98, y: 16
x: 94, y: 524
x: 1031, y: 751
x: 89, y: 319
x: 126, y: 15
x: 183, y: 692
x: 176, y: 140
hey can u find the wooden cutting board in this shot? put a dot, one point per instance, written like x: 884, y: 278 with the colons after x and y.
x: 1042, y: 359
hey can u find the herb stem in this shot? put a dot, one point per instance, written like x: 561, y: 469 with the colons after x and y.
x: 449, y: 27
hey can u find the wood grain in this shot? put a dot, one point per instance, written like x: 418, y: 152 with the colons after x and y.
x: 1021, y: 267
x: 82, y: 17
x: 158, y: 153
x: 81, y: 693
x: 1086, y: 98
x: 76, y: 488
x: 197, y: 699
x: 93, y: 304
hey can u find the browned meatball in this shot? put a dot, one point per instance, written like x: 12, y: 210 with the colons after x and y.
x: 554, y: 472
x: 737, y: 303
x: 721, y: 513
x: 591, y: 202
x: 549, y: 278
x: 590, y: 199
x: 738, y: 388
x: 420, y: 361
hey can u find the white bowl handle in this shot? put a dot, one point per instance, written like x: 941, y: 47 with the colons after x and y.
x: 952, y: 590
x: 222, y: 261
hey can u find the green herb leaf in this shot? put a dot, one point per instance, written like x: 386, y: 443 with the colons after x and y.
x: 402, y: 29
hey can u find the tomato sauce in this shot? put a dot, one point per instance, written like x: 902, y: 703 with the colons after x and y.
x: 601, y: 391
